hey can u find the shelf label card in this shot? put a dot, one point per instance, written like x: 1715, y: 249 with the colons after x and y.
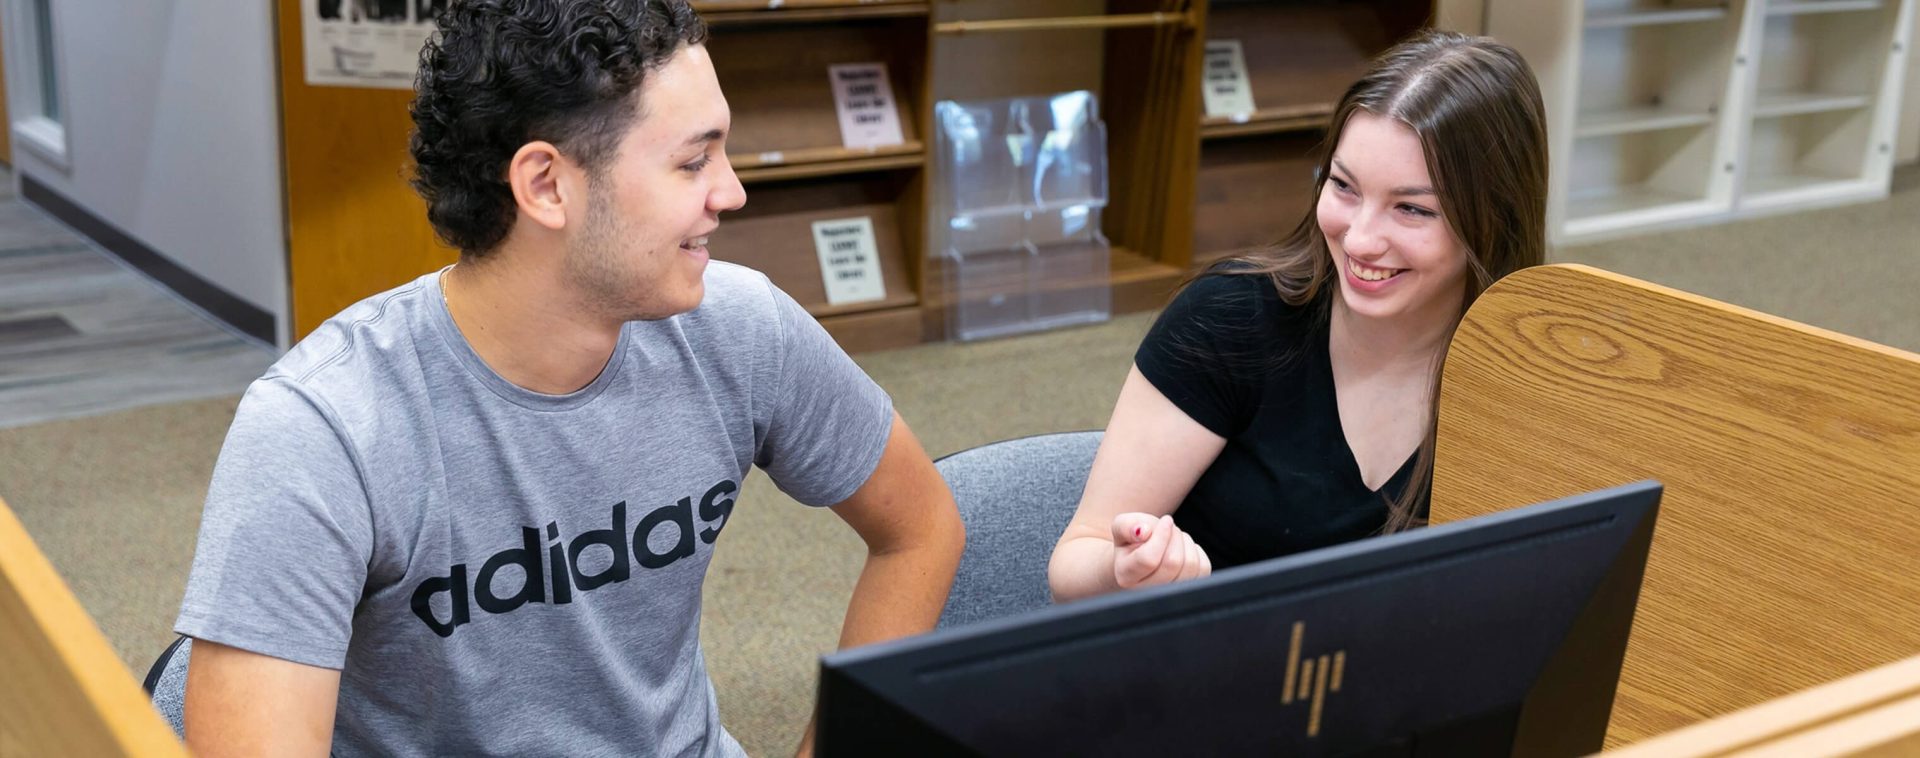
x: 1227, y: 90
x: 849, y: 260
x: 864, y: 97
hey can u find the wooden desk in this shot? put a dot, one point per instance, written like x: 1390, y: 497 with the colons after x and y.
x: 1876, y: 713
x: 65, y: 691
x: 1787, y: 552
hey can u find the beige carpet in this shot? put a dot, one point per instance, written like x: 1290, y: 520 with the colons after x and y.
x: 114, y: 500
x: 1854, y: 269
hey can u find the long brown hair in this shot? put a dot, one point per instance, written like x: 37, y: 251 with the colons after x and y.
x: 1476, y: 107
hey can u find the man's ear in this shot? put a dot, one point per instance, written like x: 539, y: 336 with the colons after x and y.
x: 543, y: 182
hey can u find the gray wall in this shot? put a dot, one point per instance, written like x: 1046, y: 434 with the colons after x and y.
x: 173, y: 134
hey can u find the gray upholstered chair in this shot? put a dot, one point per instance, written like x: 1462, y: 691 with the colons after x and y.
x: 1016, y: 497
x: 167, y: 683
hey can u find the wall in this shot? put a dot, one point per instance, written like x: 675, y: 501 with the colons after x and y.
x: 172, y: 135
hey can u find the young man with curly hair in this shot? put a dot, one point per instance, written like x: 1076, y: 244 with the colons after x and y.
x: 472, y: 514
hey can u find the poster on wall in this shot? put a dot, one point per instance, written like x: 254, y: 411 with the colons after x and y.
x: 366, y: 43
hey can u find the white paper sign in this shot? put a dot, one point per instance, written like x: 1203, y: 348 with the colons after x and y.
x: 868, y: 117
x: 849, y: 260
x: 1227, y: 91
x: 366, y: 43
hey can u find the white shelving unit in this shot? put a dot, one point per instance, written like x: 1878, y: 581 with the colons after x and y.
x: 1680, y: 112
x: 1821, y: 131
x: 1647, y: 128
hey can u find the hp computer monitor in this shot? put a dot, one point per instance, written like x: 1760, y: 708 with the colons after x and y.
x: 1501, y: 635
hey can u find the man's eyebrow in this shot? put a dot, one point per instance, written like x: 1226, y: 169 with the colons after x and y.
x: 707, y: 136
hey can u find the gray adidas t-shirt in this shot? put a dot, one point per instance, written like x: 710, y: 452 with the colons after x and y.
x: 497, y: 571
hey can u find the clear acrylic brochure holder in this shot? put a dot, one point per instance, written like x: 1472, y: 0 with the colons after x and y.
x: 1018, y: 193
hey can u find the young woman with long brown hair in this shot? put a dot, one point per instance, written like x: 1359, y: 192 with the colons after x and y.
x: 1285, y: 400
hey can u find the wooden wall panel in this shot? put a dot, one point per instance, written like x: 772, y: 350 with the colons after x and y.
x: 1252, y: 192
x: 354, y: 226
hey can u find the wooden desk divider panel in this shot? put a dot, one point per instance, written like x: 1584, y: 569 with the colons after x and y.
x: 1786, y: 551
x: 63, y: 691
x: 1876, y: 713
x: 1256, y: 173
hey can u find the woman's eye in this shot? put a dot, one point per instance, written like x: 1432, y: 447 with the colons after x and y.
x: 696, y: 166
x: 1340, y: 185
x: 1418, y: 211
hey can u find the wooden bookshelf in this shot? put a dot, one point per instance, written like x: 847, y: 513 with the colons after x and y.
x: 786, y: 145
x: 1182, y: 188
x: 789, y: 13
x: 1139, y: 58
x: 774, y: 234
x: 1253, y: 191
x: 1256, y: 169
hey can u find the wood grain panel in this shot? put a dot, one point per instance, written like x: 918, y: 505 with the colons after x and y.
x: 803, y: 15
x: 1255, y: 178
x: 775, y: 7
x: 1876, y: 713
x: 354, y: 226
x: 1308, y: 52
x: 875, y: 330
x: 1179, y: 105
x: 810, y: 162
x: 1252, y: 191
x: 985, y: 66
x: 1152, y: 96
x: 773, y: 234
x: 1786, y: 550
x: 65, y: 692
x: 775, y: 78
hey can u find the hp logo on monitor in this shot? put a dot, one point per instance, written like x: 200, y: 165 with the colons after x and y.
x: 1313, y: 677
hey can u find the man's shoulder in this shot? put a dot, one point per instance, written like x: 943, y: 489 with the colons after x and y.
x: 734, y: 292
x: 358, y: 345
x: 741, y: 306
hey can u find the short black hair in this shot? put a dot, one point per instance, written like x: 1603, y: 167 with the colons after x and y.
x: 498, y: 74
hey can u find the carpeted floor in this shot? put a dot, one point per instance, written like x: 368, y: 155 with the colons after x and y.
x: 114, y: 500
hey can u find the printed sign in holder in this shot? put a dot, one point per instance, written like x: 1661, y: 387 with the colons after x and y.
x: 1227, y: 91
x: 849, y: 260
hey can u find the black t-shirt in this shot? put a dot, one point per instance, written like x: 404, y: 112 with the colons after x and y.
x: 1248, y: 367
